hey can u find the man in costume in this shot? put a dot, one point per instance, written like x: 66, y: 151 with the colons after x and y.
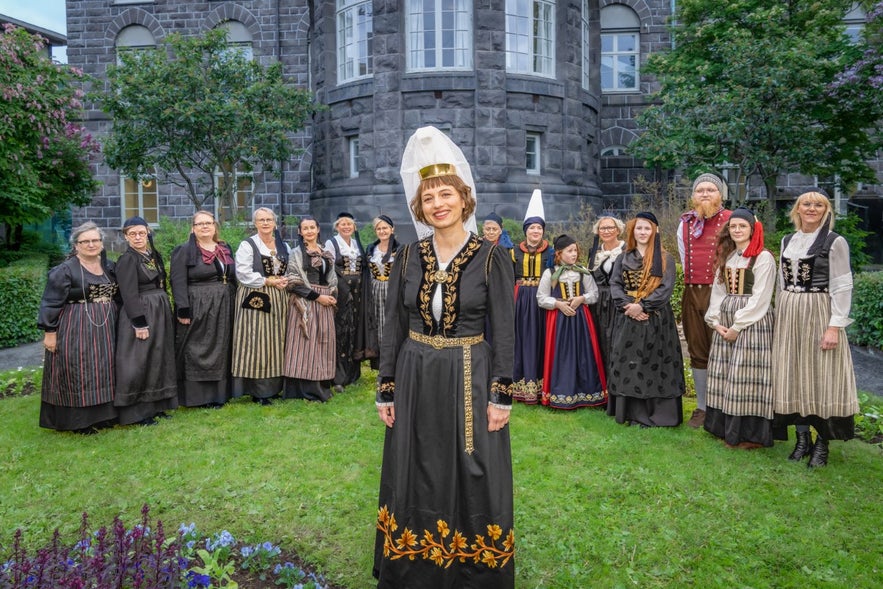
x: 697, y: 243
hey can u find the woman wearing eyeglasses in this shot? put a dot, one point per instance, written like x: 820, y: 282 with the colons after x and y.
x: 261, y: 309
x: 203, y: 286
x: 606, y: 247
x: 145, y: 356
x: 79, y: 317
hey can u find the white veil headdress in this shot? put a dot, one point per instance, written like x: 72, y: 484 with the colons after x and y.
x: 432, y: 152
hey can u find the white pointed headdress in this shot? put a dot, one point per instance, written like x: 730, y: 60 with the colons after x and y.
x: 429, y: 153
x: 535, y: 212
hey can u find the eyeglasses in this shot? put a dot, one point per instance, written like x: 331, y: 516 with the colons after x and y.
x: 204, y: 224
x: 136, y: 234
x: 263, y: 221
x: 607, y: 228
x: 88, y: 242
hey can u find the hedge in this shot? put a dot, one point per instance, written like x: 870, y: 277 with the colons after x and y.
x: 21, y: 288
x: 867, y: 310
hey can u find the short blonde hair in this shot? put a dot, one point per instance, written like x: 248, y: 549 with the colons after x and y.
x: 434, y: 182
x: 619, y: 224
x: 339, y: 219
x: 811, y: 196
x: 254, y: 215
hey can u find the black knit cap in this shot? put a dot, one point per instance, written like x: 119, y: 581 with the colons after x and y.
x: 649, y: 216
x: 133, y: 221
x: 563, y: 241
x: 745, y: 214
x: 492, y: 216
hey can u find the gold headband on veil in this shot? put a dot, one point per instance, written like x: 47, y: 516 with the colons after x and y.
x: 435, y: 170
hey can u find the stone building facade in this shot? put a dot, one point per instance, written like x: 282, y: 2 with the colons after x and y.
x: 538, y: 94
x: 525, y: 106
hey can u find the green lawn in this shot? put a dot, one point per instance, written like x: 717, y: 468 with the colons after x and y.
x: 597, y: 504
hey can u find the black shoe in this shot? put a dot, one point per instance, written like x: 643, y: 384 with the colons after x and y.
x: 263, y: 402
x: 803, y: 448
x: 147, y: 421
x: 162, y: 415
x: 87, y: 431
x: 819, y: 453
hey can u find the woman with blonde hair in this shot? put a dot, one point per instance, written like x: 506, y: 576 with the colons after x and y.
x: 261, y: 311
x: 646, y: 380
x: 814, y: 380
x: 203, y: 281
x: 78, y: 315
x: 606, y: 248
x: 380, y: 257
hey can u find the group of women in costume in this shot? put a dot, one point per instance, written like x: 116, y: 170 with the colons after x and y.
x: 624, y: 350
x: 267, y: 322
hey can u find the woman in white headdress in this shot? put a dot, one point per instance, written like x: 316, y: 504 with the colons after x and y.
x: 445, y: 514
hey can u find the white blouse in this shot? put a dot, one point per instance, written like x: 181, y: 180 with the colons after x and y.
x: 544, y: 292
x: 348, y: 251
x: 245, y: 273
x: 839, y: 273
x: 761, y: 293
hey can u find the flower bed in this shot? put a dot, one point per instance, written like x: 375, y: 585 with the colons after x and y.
x: 146, y: 558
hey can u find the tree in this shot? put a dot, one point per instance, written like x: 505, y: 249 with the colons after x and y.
x: 196, y: 108
x: 45, y: 156
x: 859, y: 87
x: 747, y: 85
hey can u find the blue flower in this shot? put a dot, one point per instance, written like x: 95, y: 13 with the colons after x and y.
x: 246, y: 551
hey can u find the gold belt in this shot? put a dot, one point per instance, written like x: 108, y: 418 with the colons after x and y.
x: 438, y: 342
x: 632, y: 293
x: 95, y: 300
x: 528, y: 281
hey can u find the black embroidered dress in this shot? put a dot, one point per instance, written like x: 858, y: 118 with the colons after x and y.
x: 446, y: 514
x: 203, y: 294
x: 145, y: 369
x: 646, y: 380
x: 78, y: 378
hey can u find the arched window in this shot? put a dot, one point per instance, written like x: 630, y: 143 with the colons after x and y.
x: 613, y: 151
x: 133, y: 38
x: 439, y: 35
x: 530, y: 37
x: 355, y: 39
x: 238, y: 37
x: 620, y: 49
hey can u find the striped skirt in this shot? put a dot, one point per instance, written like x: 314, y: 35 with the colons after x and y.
x: 809, y: 381
x: 310, y: 344
x: 740, y: 372
x: 259, y: 337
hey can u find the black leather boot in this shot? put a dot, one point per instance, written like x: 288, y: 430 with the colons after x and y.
x: 819, y: 453
x: 803, y: 448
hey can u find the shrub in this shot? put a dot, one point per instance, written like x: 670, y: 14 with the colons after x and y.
x: 21, y: 288
x: 869, y: 421
x: 867, y: 310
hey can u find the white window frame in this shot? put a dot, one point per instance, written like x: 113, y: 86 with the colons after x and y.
x: 533, y: 153
x: 530, y: 38
x: 612, y: 59
x: 355, y: 40
x: 614, y: 151
x: 149, y: 214
x: 854, y: 23
x: 353, y: 151
x: 448, y: 40
x: 133, y: 38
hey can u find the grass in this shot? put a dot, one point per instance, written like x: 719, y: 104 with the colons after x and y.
x: 597, y: 504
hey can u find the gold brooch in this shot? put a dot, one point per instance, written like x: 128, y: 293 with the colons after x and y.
x: 440, y: 276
